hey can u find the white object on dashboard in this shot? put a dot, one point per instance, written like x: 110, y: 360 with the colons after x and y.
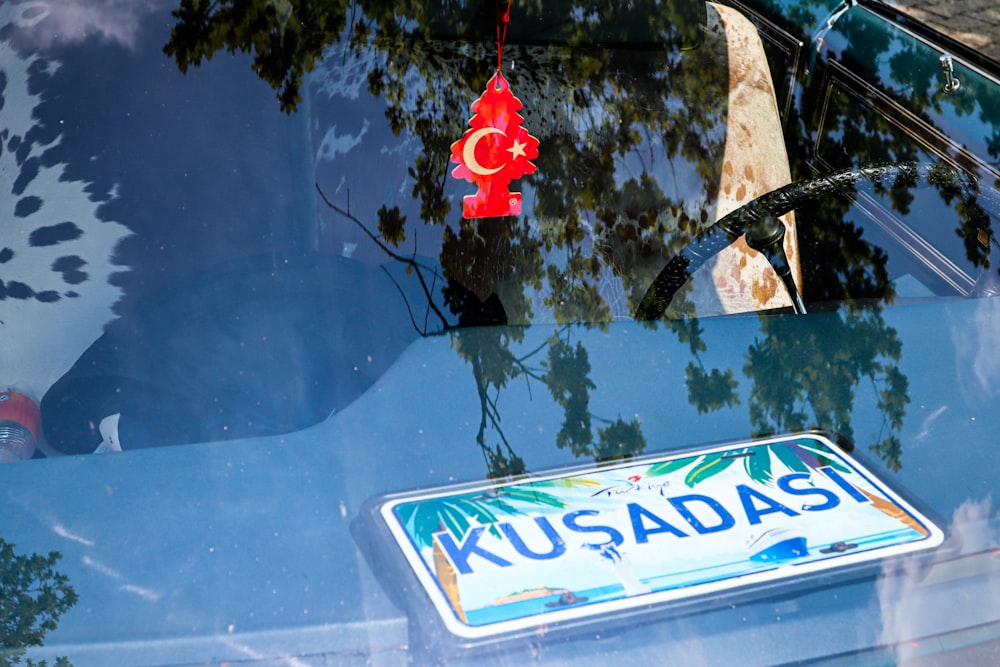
x: 109, y: 434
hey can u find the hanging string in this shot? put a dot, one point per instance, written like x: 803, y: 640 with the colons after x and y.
x: 503, y: 22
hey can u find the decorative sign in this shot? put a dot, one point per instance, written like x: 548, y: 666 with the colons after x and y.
x: 512, y: 556
x: 494, y: 151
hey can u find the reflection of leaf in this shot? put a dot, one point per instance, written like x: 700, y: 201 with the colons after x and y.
x: 285, y: 44
x: 711, y: 391
x: 33, y: 595
x: 391, y: 225
x: 569, y: 383
x: 805, y: 377
x: 890, y: 450
x: 503, y: 465
x: 690, y: 331
x: 620, y: 440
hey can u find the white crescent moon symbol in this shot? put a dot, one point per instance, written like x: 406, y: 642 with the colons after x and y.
x: 469, y: 151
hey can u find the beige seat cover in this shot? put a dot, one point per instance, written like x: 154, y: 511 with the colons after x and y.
x: 755, y: 162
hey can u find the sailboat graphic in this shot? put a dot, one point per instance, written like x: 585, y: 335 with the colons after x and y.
x: 776, y: 545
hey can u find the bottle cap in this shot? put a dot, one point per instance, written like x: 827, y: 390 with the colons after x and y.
x: 19, y: 408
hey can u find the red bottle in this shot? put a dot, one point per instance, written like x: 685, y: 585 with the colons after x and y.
x: 19, y: 419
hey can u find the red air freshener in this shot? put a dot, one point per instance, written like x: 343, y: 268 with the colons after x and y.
x: 495, y: 151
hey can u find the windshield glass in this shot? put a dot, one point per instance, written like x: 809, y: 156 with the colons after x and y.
x: 264, y: 263
x: 233, y: 243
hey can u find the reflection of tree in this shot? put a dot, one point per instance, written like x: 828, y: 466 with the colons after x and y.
x: 595, y: 109
x: 897, y: 64
x: 33, y: 595
x: 821, y: 372
x: 480, y: 337
x: 840, y: 259
x: 285, y: 37
x: 591, y: 219
x: 601, y: 109
x: 804, y: 375
x: 617, y: 125
x: 565, y: 372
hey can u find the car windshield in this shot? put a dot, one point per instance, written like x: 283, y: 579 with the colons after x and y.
x: 298, y: 300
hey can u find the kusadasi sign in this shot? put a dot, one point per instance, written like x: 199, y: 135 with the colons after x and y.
x: 512, y: 556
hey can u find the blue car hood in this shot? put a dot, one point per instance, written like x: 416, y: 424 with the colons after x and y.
x: 242, y: 549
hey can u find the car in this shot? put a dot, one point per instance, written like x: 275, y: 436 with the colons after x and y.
x: 466, y: 332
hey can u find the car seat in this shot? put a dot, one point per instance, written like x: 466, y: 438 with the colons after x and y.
x: 755, y: 161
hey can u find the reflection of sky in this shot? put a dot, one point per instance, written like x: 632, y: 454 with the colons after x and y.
x: 977, y: 340
x: 917, y: 602
x: 68, y: 21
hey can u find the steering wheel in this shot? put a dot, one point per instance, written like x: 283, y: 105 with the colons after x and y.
x: 765, y: 233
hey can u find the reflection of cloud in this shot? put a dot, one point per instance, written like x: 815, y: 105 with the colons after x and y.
x: 144, y: 593
x: 115, y: 575
x: 977, y: 342
x: 256, y: 655
x: 333, y: 143
x: 106, y: 570
x: 62, y: 531
x: 953, y: 595
x: 925, y: 427
x: 68, y: 21
x: 973, y: 516
x: 336, y: 75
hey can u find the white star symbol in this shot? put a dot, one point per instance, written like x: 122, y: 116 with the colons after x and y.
x: 517, y: 150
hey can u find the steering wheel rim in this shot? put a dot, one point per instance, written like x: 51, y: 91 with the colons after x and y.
x: 757, y: 220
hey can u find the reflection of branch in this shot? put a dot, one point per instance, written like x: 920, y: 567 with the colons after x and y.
x: 409, y: 261
x: 527, y: 370
x: 350, y: 32
x: 409, y: 311
x: 489, y: 411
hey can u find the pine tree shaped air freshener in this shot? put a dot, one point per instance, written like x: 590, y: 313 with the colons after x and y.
x: 496, y: 149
